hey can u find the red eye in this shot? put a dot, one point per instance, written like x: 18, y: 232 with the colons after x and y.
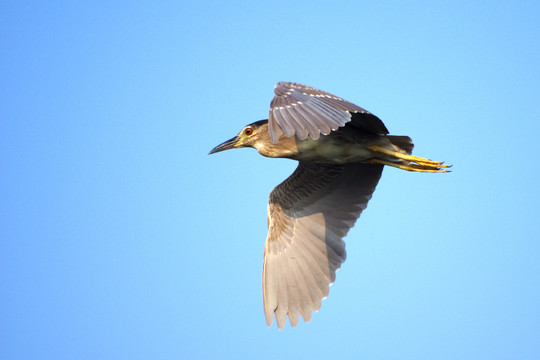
x: 248, y: 131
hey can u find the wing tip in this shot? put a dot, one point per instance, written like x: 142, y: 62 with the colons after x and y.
x: 269, y: 318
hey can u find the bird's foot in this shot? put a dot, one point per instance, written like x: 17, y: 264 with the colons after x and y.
x: 416, y: 163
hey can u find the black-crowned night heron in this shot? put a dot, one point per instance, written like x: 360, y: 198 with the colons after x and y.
x: 341, y: 149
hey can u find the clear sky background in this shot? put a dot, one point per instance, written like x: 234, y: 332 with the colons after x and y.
x: 120, y: 238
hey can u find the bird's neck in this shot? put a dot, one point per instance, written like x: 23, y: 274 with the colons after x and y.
x: 286, y: 147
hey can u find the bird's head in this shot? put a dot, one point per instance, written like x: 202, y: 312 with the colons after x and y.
x: 253, y: 135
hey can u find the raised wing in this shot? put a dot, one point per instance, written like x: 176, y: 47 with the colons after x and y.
x: 305, y: 111
x: 308, y: 216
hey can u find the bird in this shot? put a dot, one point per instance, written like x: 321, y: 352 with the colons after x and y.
x: 341, y: 150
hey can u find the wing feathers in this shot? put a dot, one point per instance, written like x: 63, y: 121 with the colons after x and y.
x: 293, y: 293
x: 309, y: 214
x: 305, y: 111
x: 282, y: 298
x: 307, y: 298
x: 270, y: 286
x: 316, y: 125
x: 300, y: 129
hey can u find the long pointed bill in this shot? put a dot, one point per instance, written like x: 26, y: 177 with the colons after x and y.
x: 229, y: 144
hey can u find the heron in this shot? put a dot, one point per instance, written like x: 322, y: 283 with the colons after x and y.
x: 341, y: 150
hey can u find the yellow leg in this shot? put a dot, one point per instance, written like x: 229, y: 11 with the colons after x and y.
x: 431, y: 168
x: 416, y: 159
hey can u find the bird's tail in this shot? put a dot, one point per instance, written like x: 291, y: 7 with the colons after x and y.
x: 403, y: 142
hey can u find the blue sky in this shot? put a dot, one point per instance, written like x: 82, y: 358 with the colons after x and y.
x: 120, y: 238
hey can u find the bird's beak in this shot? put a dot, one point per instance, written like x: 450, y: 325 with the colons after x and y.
x: 229, y: 144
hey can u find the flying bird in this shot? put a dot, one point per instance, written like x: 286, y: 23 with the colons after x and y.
x: 341, y: 149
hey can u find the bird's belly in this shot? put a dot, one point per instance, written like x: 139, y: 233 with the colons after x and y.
x: 333, y: 152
